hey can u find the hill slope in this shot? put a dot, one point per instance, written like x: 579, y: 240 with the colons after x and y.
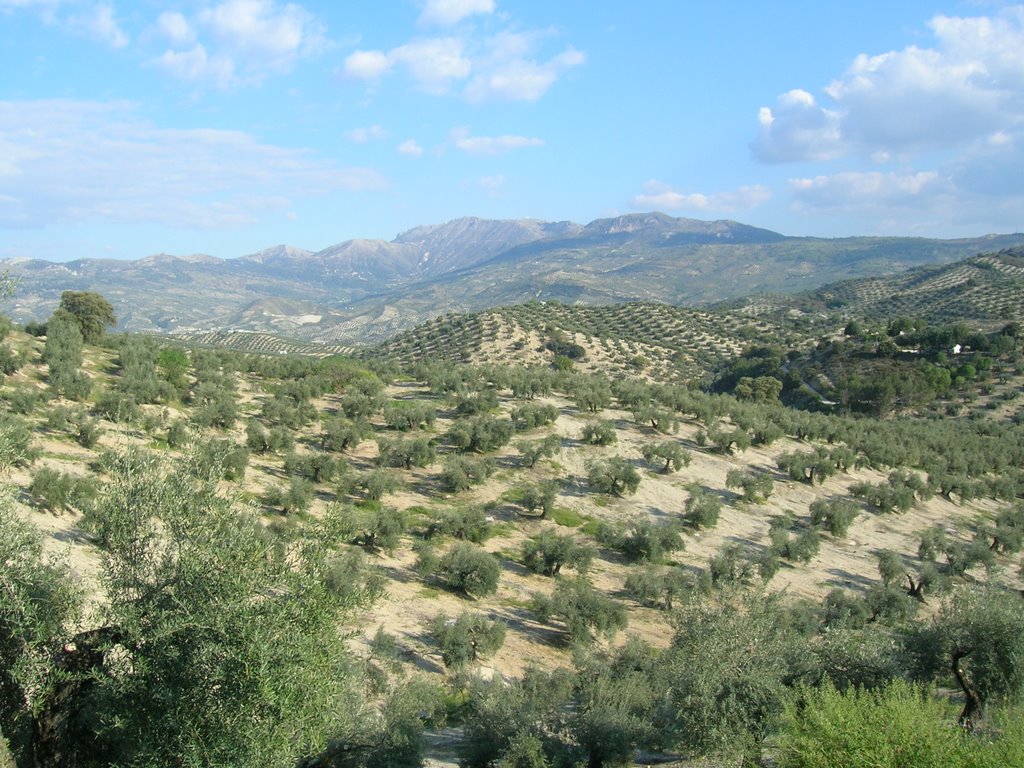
x: 366, y: 290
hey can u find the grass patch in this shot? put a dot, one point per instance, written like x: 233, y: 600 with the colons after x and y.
x: 503, y: 528
x: 512, y: 495
x: 429, y: 593
x: 570, y: 518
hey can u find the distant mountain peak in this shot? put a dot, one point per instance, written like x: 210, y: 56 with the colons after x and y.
x: 277, y: 252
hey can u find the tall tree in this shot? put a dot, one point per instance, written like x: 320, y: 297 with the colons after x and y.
x: 211, y: 646
x: 91, y: 311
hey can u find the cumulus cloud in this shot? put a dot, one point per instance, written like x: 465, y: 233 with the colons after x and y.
x: 965, y: 86
x: 433, y: 63
x: 135, y: 171
x: 797, y: 129
x: 491, y: 145
x: 410, y: 147
x: 519, y: 77
x: 661, y: 197
x: 196, y: 64
x: 240, y: 41
x: 873, y: 188
x: 366, y: 65
x: 175, y: 28
x: 445, y: 13
x: 508, y: 66
x: 99, y: 24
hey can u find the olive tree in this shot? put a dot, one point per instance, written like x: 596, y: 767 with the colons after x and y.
x: 208, y: 644
x: 467, y: 638
x: 978, y: 637
x: 614, y: 475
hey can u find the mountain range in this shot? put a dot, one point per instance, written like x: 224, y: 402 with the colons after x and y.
x: 363, y: 290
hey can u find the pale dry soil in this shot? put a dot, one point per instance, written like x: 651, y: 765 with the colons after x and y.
x: 411, y: 604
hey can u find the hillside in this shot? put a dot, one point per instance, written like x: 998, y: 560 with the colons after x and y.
x: 585, y: 494
x: 362, y: 291
x: 983, y: 291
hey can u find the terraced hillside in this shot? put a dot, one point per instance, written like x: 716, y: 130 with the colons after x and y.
x: 983, y: 291
x: 561, y: 511
x: 656, y: 341
x: 262, y: 343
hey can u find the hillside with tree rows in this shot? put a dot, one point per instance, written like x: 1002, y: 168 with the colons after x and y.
x: 559, y: 535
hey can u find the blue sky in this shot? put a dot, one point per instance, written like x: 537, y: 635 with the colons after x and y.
x: 227, y: 126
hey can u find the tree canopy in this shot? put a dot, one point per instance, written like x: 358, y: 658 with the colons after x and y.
x: 91, y: 311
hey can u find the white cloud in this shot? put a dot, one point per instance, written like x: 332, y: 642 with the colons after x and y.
x: 196, y: 64
x: 176, y: 28
x: 265, y: 28
x: 445, y: 13
x: 661, y: 197
x: 797, y: 129
x: 521, y: 79
x: 491, y: 145
x: 872, y: 189
x: 410, y: 147
x: 46, y: 8
x: 366, y: 65
x: 99, y: 24
x: 134, y: 171
x: 434, y: 62
x: 240, y: 41
x: 968, y: 85
x: 508, y: 66
x: 365, y: 134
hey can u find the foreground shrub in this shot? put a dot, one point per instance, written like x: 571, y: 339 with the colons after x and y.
x: 901, y: 726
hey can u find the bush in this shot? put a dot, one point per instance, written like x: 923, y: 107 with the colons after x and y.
x: 533, y: 451
x: 178, y: 433
x: 371, y: 526
x: 461, y: 473
x: 834, y: 515
x: 599, y: 433
x: 466, y: 523
x: 57, y: 492
x: 660, y: 586
x: 900, y: 726
x: 757, y: 487
x: 549, y: 552
x: 702, y: 508
x: 481, y: 434
x: 533, y: 415
x: 377, y: 483
x: 295, y: 498
x: 470, y: 570
x: 615, y: 476
x: 466, y: 639
x: 582, y: 610
x: 15, y: 442
x: 642, y: 540
x: 417, y: 452
x: 670, y: 452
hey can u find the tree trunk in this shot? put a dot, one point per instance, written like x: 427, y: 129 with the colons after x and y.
x: 972, y: 701
x: 58, y: 739
x: 916, y: 591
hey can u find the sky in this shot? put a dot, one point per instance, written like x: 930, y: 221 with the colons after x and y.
x: 228, y: 126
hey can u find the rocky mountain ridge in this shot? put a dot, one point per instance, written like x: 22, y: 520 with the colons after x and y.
x: 363, y: 290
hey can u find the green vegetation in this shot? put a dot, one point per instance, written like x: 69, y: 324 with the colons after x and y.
x: 244, y: 529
